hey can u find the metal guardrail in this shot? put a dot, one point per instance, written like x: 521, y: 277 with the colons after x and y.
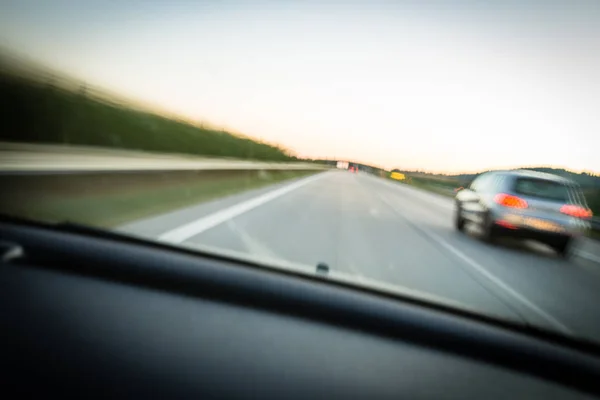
x: 18, y: 159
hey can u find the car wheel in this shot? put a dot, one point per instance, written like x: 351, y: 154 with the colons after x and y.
x: 562, y: 247
x: 488, y: 233
x: 459, y: 221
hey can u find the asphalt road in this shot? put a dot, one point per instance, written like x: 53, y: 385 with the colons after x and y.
x: 378, y: 230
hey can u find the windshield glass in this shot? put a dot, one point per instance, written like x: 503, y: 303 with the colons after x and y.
x: 543, y: 189
x: 338, y: 134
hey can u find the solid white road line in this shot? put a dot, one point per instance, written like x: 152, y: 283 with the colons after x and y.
x: 498, y: 282
x: 200, y: 225
x: 588, y: 256
x: 253, y: 245
x: 491, y: 277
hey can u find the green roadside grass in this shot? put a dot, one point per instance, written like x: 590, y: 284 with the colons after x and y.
x: 594, y: 235
x: 109, y: 200
x: 39, y: 110
x: 433, y: 188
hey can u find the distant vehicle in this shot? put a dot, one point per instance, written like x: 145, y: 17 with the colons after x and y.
x: 526, y: 204
x: 399, y: 176
x: 342, y: 165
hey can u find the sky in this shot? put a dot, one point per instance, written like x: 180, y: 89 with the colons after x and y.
x: 444, y: 86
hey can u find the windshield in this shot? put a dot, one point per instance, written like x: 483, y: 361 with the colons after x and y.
x: 338, y: 135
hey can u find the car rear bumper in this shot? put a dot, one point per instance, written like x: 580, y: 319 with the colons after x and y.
x: 533, y: 227
x: 540, y: 236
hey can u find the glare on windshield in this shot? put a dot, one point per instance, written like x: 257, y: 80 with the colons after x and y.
x: 445, y: 152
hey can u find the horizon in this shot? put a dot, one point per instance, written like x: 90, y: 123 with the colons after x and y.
x: 34, y: 63
x: 393, y: 85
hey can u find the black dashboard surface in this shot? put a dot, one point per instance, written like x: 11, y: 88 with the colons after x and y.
x: 122, y: 323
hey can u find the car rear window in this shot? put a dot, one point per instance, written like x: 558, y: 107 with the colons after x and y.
x: 545, y: 189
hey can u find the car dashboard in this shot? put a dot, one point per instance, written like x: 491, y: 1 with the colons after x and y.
x: 93, y: 316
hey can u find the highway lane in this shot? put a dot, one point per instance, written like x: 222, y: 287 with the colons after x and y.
x: 373, y: 229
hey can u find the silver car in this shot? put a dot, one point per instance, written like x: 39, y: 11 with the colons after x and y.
x: 526, y: 204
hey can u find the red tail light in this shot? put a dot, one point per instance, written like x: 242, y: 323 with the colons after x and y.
x: 506, y: 224
x: 507, y: 200
x: 576, y: 211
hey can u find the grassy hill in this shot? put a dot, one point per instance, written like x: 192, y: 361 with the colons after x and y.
x: 42, y: 107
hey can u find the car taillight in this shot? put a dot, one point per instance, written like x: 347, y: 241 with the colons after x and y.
x: 508, y: 200
x: 576, y: 211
